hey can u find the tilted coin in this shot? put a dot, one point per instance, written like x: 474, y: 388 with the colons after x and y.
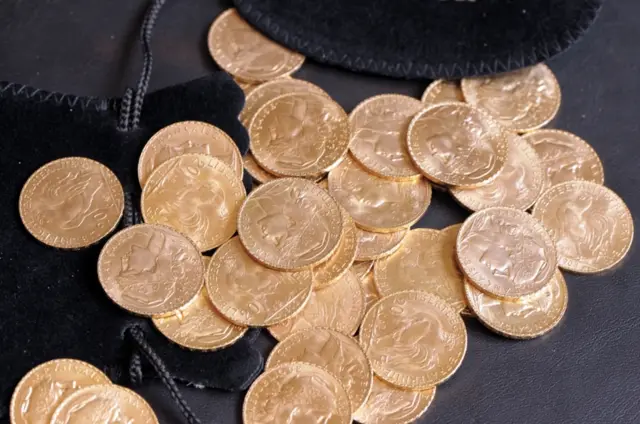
x: 361, y: 269
x: 372, y: 246
x: 255, y: 170
x: 290, y: 224
x: 296, y: 392
x: 71, y: 203
x: 414, y: 340
x: 378, y: 204
x: 521, y: 100
x: 197, y: 195
x: 457, y: 144
x: 506, y: 253
x: 39, y: 392
x: 247, y: 54
x: 441, y: 91
x: 371, y: 295
x: 591, y: 225
x: 339, y: 263
x: 150, y: 270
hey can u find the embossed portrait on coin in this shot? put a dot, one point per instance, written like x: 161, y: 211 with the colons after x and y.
x: 205, y: 328
x: 562, y: 162
x: 251, y: 53
x: 511, y: 184
x: 540, y: 303
x: 396, y: 404
x: 380, y: 129
x: 96, y: 410
x: 42, y: 399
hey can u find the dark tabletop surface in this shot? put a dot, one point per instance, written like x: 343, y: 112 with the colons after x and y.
x: 585, y: 371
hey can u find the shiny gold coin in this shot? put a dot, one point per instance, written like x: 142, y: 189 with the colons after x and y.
x: 527, y: 318
x: 414, y: 340
x: 290, y: 224
x: 506, y: 253
x: 591, y: 225
x: 150, y: 270
x: 246, y: 87
x: 339, y: 263
x: 296, y: 392
x: 247, y: 54
x: 197, y: 195
x: 378, y: 135
x: 255, y: 170
x: 188, y: 137
x: 441, y: 91
x: 39, y: 392
x: 372, y: 246
x: 324, y: 184
x: 362, y: 268
x: 456, y: 144
x: 300, y: 134
x: 371, y: 295
x: 334, y: 352
x: 521, y: 100
x: 71, y: 203
x: 467, y: 312
x: 378, y: 204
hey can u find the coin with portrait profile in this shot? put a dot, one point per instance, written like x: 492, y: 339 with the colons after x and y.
x: 361, y: 268
x: 255, y: 170
x: 341, y: 260
x: 441, y: 91
x: 371, y: 295
x: 372, y: 246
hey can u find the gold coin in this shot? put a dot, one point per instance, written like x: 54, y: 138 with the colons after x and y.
x: 150, y: 270
x: 506, y: 253
x: 413, y: 339
x: 246, y: 87
x: 334, y: 352
x: 518, y: 185
x: 71, y: 203
x: 290, y: 224
x: 255, y: 170
x: 456, y: 144
x: 361, y: 269
x: 390, y: 405
x: 591, y: 225
x: 339, y: 307
x: 442, y: 91
x: 339, y: 263
x: 378, y: 204
x: 296, y: 392
x: 43, y: 388
x: 527, y: 318
x: 188, y: 137
x: 372, y: 246
x: 247, y: 54
x: 371, y: 295
x: 104, y: 404
x: 324, y: 184
x: 521, y: 100
x: 467, y: 312
x: 378, y: 135
x: 197, y: 195
x: 300, y: 134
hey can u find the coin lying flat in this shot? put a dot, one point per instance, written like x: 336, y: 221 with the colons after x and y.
x: 456, y: 144
x: 414, y: 340
x: 372, y: 246
x: 256, y: 172
x: 441, y: 91
x: 591, y: 225
x: 361, y: 269
x: 71, y: 203
x: 506, y: 253
x: 371, y: 295
x: 339, y: 263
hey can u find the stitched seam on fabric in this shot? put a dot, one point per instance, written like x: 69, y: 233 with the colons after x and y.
x: 42, y: 96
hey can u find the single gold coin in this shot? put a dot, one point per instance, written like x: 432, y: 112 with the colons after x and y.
x: 188, y: 137
x: 361, y: 269
x: 414, y: 340
x: 255, y: 170
x: 40, y: 392
x: 527, y: 318
x: 521, y: 100
x: 301, y: 134
x: 506, y: 253
x: 339, y: 307
x: 591, y: 225
x: 371, y: 295
x: 104, y: 404
x: 290, y: 224
x: 197, y: 195
x: 457, y: 144
x: 518, y: 185
x: 372, y: 246
x: 339, y: 263
x: 150, y: 270
x: 378, y: 135
x: 378, y: 204
x: 247, y: 54
x: 391, y: 405
x: 71, y: 203
x: 248, y: 293
x: 441, y: 91
x: 296, y: 392
x: 340, y: 355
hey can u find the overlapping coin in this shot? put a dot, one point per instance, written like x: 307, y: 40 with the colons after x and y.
x: 441, y: 91
x: 372, y: 246
x: 339, y: 263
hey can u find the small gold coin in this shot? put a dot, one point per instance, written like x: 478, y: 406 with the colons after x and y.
x: 378, y: 135
x: 361, y: 269
x: 71, y: 203
x: 372, y: 246
x: 39, y: 392
x: 188, y: 137
x: 371, y: 295
x: 296, y: 392
x: 150, y: 270
x: 339, y: 263
x: 527, y: 318
x: 506, y: 253
x: 255, y: 170
x: 290, y: 224
x: 441, y: 91
x: 300, y: 134
x: 340, y: 355
x: 378, y: 204
x: 414, y: 340
x: 197, y: 195
x: 591, y: 225
x: 247, y: 54
x: 456, y: 144
x: 521, y: 100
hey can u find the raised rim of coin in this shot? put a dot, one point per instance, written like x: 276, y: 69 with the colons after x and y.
x: 393, y: 241
x: 255, y: 170
x: 339, y: 263
x: 429, y: 93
